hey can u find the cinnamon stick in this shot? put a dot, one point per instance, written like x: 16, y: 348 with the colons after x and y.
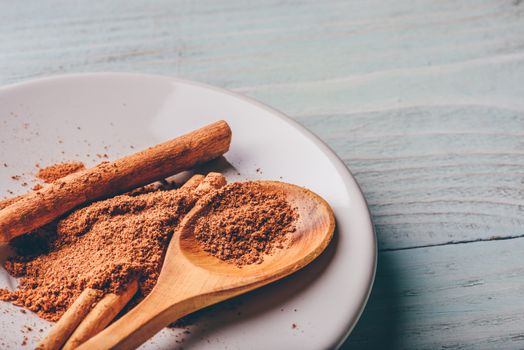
x: 100, y: 316
x: 193, y: 182
x: 43, y: 206
x: 69, y: 321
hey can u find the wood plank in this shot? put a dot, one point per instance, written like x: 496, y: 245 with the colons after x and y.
x: 238, y: 44
x: 434, y: 175
x: 460, y: 296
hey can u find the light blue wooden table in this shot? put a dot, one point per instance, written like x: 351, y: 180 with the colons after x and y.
x: 424, y: 101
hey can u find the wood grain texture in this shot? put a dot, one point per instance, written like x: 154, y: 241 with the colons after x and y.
x: 460, y: 296
x: 423, y: 100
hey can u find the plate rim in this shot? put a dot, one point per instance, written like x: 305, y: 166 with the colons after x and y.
x: 340, y: 166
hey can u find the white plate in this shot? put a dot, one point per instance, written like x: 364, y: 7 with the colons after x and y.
x: 76, y: 117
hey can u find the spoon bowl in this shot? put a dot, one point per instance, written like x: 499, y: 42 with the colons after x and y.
x: 192, y: 279
x: 313, y: 231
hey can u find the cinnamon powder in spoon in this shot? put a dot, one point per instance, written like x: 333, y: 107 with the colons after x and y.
x: 246, y: 221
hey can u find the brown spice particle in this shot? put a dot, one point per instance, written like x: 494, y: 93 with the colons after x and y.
x: 16, y: 177
x: 245, y: 222
x: 56, y: 171
x: 294, y: 326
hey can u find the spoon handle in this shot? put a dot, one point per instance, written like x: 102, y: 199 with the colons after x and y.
x: 155, y: 312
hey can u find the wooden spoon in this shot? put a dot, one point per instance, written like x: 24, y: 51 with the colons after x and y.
x: 192, y: 279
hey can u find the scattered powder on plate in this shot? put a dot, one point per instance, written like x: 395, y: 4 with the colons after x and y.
x: 245, y: 222
x: 56, y: 171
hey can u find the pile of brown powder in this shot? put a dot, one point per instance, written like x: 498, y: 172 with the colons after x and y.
x: 106, y: 244
x: 57, y: 171
x: 245, y: 222
x: 101, y: 246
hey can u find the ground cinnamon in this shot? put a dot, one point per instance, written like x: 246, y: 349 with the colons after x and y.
x: 102, y: 246
x: 109, y: 243
x: 246, y: 221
